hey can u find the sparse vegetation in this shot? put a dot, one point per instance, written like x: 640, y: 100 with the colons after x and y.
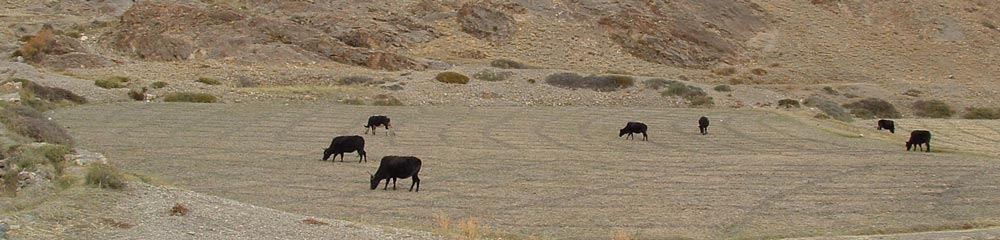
x: 913, y: 93
x: 352, y: 101
x: 701, y: 101
x: 112, y: 82
x: 758, y: 71
x: 618, y: 72
x: 723, y: 88
x: 829, y: 107
x: 189, y: 97
x: 452, y: 77
x: 724, y: 71
x: 821, y: 116
x: 353, y: 80
x: 138, y: 95
x: 246, y: 82
x: 657, y: 83
x: 208, y: 81
x: 116, y: 223
x: 30, y: 123
x: 981, y: 113
x: 159, y: 84
x: 313, y: 221
x: 35, y: 46
x: 386, y: 100
x: 105, y: 176
x: 695, y: 95
x: 621, y: 234
x: 605, y: 83
x: 492, y: 76
x: 830, y: 90
x: 30, y: 89
x: 509, y: 64
x: 179, y: 210
x: 788, y: 103
x: 869, y: 108
x: 932, y: 109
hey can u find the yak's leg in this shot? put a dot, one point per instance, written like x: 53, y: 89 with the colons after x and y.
x: 928, y: 146
x: 393, y: 183
x: 416, y: 181
x: 644, y: 136
x: 386, y: 184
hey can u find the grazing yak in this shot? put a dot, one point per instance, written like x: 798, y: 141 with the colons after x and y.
x: 346, y: 144
x: 633, y: 127
x: 393, y: 167
x: 378, y: 120
x: 918, y: 137
x: 887, y: 124
x: 703, y: 125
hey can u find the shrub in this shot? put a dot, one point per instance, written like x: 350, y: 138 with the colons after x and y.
x: 313, y: 221
x: 788, y: 103
x: 352, y: 80
x: 30, y: 89
x: 509, y: 64
x: 246, y: 82
x: 35, y: 46
x: 913, y: 93
x: 724, y: 71
x: 452, y: 77
x: 869, y: 108
x: 112, y: 82
x: 618, y: 72
x: 189, y: 97
x: 159, y: 84
x: 657, y: 83
x: 105, y: 176
x: 821, y: 116
x: 932, y: 109
x: 605, y: 83
x: 492, y: 76
x: 695, y: 95
x: 701, y: 100
x: 352, y: 101
x: 830, y: 90
x: 981, y: 113
x: 209, y: 81
x: 829, y: 107
x: 386, y: 100
x: 138, y: 95
x: 32, y: 124
x: 531, y: 80
x: 758, y: 71
x: 723, y: 88
x: 179, y: 210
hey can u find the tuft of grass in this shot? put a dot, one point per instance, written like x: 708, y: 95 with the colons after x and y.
x: 452, y: 77
x: 830, y: 90
x: 869, y: 108
x: 509, y: 64
x: 159, y: 84
x: 112, y: 82
x: 788, y: 103
x: 701, y: 101
x: 30, y: 89
x: 313, y: 221
x: 621, y: 234
x: 932, y: 109
x: 913, y: 93
x: 470, y: 228
x: 605, y: 83
x: 981, y: 113
x: 695, y: 95
x: 352, y: 80
x: 209, y: 81
x: 30, y: 123
x: 492, y: 76
x: 105, y: 176
x: 179, y: 210
x: 189, y: 97
x: 443, y: 222
x: 829, y: 107
x: 386, y: 100
x: 51, y: 154
x: 657, y: 83
x: 723, y: 88
x: 724, y: 71
x: 138, y: 95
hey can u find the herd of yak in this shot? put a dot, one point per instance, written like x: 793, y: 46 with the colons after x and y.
x: 393, y: 167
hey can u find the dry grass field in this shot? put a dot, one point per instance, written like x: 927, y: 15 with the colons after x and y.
x: 563, y: 172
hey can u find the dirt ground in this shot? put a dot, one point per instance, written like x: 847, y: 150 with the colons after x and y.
x: 562, y: 172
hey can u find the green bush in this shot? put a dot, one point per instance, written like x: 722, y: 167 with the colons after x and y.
x: 51, y: 154
x: 509, y: 64
x: 159, y: 84
x: 605, y: 83
x: 105, y: 176
x: 209, y: 81
x: 829, y: 107
x: 492, y: 76
x: 657, y: 83
x: 981, y: 113
x: 189, y: 97
x: 788, y: 103
x: 452, y: 77
x: 869, y: 108
x: 723, y: 88
x: 33, y: 124
x: 932, y: 109
x: 695, y: 95
x: 112, y: 82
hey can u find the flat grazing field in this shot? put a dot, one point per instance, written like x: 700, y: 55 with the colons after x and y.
x: 561, y: 172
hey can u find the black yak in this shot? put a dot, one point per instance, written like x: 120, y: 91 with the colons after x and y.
x: 703, y: 125
x: 378, y: 120
x: 393, y: 167
x: 917, y: 138
x: 346, y: 144
x: 887, y: 124
x: 633, y: 127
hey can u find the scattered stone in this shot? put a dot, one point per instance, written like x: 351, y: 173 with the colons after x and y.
x: 12, y: 97
x: 84, y: 157
x: 393, y: 86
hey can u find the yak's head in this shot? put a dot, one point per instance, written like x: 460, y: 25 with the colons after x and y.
x: 908, y: 145
x: 622, y: 132
x: 326, y: 153
x: 374, y: 182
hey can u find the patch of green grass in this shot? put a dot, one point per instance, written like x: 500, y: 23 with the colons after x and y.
x: 723, y: 88
x: 695, y: 95
x: 189, y: 97
x: 112, y: 82
x: 981, y: 113
x: 159, y: 84
x: 209, y: 81
x: 105, y: 176
x: 932, y: 109
x: 452, y: 77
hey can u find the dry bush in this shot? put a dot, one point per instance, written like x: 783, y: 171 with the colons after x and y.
x: 471, y: 229
x: 657, y: 83
x: 105, y: 176
x: 138, y: 95
x: 30, y: 89
x: 509, y: 64
x: 724, y: 71
x: 981, y: 113
x: 116, y: 223
x: 443, y: 222
x: 621, y: 234
x: 830, y: 90
x: 869, y: 108
x: 189, y: 97
x: 246, y: 82
x: 701, y: 100
x: 821, y: 116
x: 605, y: 83
x: 112, y: 82
x: 209, y: 81
x: 492, y: 76
x: 829, y: 107
x: 33, y: 124
x: 35, y: 47
x: 159, y: 84
x: 50, y: 154
x: 932, y: 109
x: 352, y: 80
x: 788, y: 103
x: 758, y: 71
x: 179, y: 210
x: 386, y: 100
x: 352, y: 101
x: 695, y: 95
x: 313, y: 221
x: 913, y: 93
x: 723, y: 88
x: 452, y: 77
